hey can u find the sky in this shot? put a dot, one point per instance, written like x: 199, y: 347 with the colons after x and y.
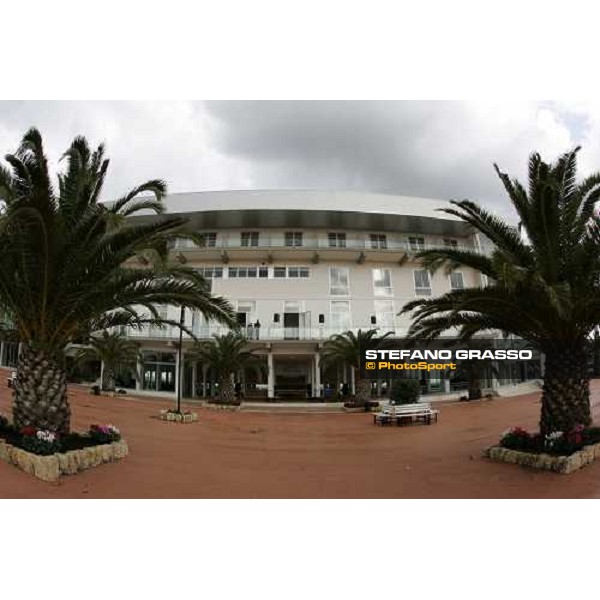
x: 434, y: 149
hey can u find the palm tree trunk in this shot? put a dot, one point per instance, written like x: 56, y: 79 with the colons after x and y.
x: 363, y: 388
x: 40, y: 392
x: 108, y: 380
x: 226, y: 391
x: 566, y: 390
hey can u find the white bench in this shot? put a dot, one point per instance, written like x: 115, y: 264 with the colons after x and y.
x: 11, y: 380
x: 401, y: 413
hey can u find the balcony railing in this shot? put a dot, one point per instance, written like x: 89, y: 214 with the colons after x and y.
x: 268, y: 334
x: 314, y: 243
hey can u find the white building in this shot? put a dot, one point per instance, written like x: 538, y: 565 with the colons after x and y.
x: 305, y: 265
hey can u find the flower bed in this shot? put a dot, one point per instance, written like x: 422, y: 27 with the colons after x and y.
x: 561, y: 452
x: 178, y: 416
x: 47, y: 456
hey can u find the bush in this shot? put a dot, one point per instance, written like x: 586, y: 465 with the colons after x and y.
x: 104, y: 434
x: 3, y: 422
x: 39, y: 441
x: 557, y: 443
x: 405, y: 391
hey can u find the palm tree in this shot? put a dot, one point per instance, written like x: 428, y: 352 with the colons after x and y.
x: 71, y: 267
x: 542, y: 281
x: 347, y: 348
x: 114, y: 350
x: 225, y: 354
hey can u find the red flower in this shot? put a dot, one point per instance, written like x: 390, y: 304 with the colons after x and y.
x: 29, y: 431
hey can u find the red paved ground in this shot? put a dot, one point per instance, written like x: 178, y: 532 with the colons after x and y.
x: 250, y: 455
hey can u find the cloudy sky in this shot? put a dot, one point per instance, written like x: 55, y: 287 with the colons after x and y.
x: 429, y: 149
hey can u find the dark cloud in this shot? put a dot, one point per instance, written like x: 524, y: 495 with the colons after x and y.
x: 429, y: 149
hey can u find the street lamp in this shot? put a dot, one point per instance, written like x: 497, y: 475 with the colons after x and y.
x: 181, y: 320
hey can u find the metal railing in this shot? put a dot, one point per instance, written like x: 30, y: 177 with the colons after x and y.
x: 315, y: 243
x: 265, y: 333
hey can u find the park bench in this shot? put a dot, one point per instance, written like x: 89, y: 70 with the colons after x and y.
x: 405, y: 413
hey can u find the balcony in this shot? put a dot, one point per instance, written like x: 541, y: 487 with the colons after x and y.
x: 267, y: 334
x: 273, y: 247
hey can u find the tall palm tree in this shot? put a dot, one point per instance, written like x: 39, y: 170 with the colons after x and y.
x: 542, y: 281
x: 114, y: 350
x: 225, y: 354
x: 347, y: 348
x: 71, y: 266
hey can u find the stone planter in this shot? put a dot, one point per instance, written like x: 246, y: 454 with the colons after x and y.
x: 547, y: 462
x: 185, y: 417
x: 356, y: 409
x: 50, y: 468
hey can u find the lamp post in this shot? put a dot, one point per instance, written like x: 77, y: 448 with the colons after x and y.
x: 179, y: 357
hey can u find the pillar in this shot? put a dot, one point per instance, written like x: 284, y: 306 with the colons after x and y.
x: 2, y: 352
x: 446, y: 385
x: 101, y: 373
x: 204, y: 381
x: 352, y: 382
x: 271, y: 376
x: 317, y: 377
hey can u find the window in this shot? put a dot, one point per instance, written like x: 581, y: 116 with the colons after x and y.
x: 337, y: 240
x: 340, y: 316
x: 247, y: 272
x: 339, y: 281
x: 208, y: 239
x: 210, y: 273
x: 385, y: 315
x: 250, y: 238
x: 457, y: 280
x: 378, y: 241
x: 291, y: 272
x: 450, y: 243
x: 293, y: 238
x: 382, y: 282
x: 422, y: 283
x: 416, y: 244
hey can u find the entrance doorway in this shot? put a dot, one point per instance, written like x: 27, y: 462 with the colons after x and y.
x: 292, y: 377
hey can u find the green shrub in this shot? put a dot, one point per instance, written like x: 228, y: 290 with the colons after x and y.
x: 405, y: 391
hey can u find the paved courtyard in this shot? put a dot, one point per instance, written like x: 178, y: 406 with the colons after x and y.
x: 259, y: 455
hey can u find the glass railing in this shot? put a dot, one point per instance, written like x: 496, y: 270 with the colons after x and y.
x: 264, y: 334
x: 314, y: 243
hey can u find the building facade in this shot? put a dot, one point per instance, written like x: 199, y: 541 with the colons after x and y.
x: 299, y: 266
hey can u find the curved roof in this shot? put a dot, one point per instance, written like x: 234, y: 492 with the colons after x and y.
x: 314, y: 208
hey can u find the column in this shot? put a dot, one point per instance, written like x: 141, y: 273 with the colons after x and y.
x: 317, y: 377
x: 194, y: 378
x: 1, y: 352
x: 271, y: 376
x: 101, y: 373
x: 204, y: 381
x: 446, y: 385
x: 352, y: 382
